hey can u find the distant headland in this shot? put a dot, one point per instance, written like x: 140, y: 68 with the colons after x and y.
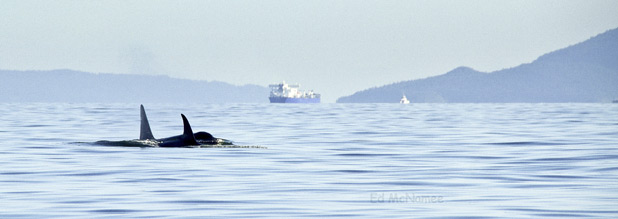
x: 584, y: 72
x: 83, y: 87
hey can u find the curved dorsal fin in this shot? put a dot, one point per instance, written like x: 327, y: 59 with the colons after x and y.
x: 187, y: 135
x: 144, y: 132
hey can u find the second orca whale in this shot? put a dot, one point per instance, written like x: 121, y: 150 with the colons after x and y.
x: 187, y: 139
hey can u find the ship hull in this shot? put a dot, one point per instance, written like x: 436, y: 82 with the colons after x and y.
x: 293, y: 100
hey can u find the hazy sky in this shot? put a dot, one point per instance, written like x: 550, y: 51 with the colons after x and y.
x: 333, y: 47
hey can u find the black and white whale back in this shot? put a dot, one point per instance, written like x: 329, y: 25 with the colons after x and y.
x: 186, y: 139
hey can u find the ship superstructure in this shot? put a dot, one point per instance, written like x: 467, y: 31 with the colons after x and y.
x: 290, y: 93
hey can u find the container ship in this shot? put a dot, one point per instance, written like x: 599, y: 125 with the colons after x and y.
x: 290, y: 93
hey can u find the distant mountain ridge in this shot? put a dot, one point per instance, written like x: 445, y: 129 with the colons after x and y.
x: 584, y: 72
x: 76, y: 86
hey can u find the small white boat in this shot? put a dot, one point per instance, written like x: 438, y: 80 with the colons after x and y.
x: 404, y: 100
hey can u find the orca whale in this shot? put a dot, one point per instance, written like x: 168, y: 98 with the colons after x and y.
x: 187, y: 139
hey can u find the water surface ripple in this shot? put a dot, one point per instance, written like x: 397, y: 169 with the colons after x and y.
x: 322, y: 160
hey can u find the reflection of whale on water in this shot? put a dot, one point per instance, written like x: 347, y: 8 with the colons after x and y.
x: 187, y: 139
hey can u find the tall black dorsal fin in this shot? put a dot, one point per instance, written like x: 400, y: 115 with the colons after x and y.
x: 144, y: 131
x: 187, y: 135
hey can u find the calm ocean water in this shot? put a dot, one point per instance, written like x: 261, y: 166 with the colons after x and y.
x: 321, y: 160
